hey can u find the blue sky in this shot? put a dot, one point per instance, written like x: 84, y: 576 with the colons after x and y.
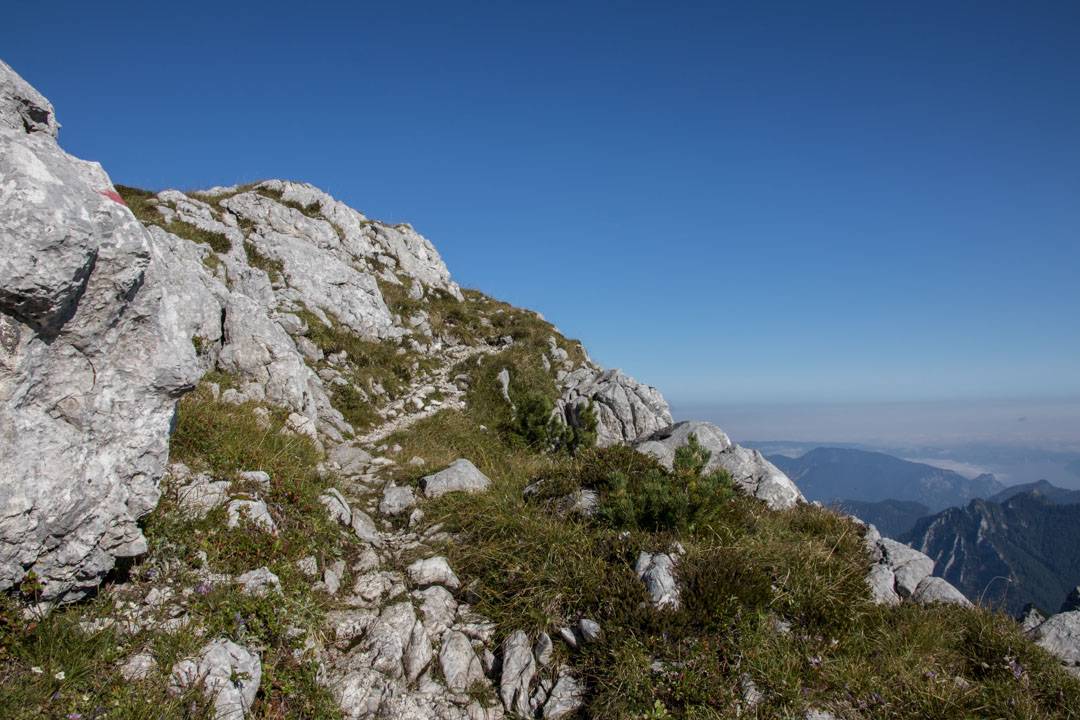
x: 762, y: 202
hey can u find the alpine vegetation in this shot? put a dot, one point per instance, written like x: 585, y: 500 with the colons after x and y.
x: 261, y: 456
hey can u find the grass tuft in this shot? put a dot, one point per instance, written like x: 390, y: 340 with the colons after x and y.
x: 145, y: 210
x: 220, y: 439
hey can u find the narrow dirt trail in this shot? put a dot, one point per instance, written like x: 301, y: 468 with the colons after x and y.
x: 412, y: 407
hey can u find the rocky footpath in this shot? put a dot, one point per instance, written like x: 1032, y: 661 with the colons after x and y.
x: 406, y: 642
x: 105, y: 322
x: 329, y: 338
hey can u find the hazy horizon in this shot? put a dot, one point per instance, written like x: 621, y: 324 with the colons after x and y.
x: 1042, y: 422
x: 1018, y: 440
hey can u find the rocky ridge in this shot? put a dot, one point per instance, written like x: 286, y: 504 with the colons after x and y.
x: 290, y: 305
x: 122, y: 319
x: 1014, y: 551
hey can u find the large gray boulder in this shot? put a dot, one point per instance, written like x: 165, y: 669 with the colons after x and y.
x: 93, y: 357
x: 518, y: 671
x: 933, y: 590
x: 460, y: 476
x: 1060, y: 636
x: 625, y: 409
x: 898, y: 572
x: 460, y: 665
x: 909, y: 566
x: 882, y: 584
x: 433, y: 571
x: 748, y: 468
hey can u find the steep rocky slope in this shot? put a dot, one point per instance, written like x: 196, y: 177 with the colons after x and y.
x: 1023, y: 549
x: 380, y: 495
x: 106, y: 322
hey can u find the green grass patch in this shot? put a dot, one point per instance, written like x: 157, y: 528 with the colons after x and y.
x: 51, y: 668
x: 381, y: 361
x: 271, y: 266
x: 746, y: 568
x: 446, y: 314
x: 357, y: 409
x: 311, y: 209
x: 216, y: 241
x: 145, y: 209
x: 79, y: 669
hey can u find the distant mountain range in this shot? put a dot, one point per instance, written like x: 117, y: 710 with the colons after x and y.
x: 1051, y: 493
x: 1021, y: 546
x: 1009, y: 462
x: 897, y: 518
x: 845, y: 475
x: 1006, y: 546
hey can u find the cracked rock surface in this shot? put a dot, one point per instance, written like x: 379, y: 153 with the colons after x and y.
x: 93, y: 356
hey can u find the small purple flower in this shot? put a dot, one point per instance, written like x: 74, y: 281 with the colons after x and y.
x: 815, y: 661
x: 203, y: 588
x: 74, y: 716
x: 1015, y: 667
x: 930, y: 675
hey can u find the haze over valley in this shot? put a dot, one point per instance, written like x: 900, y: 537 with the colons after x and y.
x: 1018, y: 441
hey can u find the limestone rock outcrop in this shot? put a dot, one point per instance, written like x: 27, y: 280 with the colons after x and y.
x: 229, y: 675
x: 899, y: 572
x: 460, y: 476
x: 105, y: 323
x: 1060, y: 636
x: 93, y: 356
x: 748, y: 468
x: 625, y: 409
